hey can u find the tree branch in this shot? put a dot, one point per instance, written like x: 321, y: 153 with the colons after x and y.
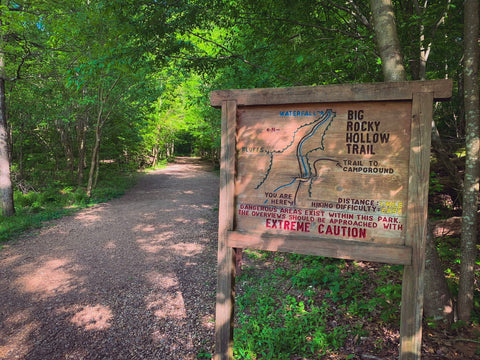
x: 355, y: 35
x: 241, y: 58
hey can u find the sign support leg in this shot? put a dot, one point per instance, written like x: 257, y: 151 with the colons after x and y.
x: 225, y: 304
x: 413, y: 275
x: 226, y: 254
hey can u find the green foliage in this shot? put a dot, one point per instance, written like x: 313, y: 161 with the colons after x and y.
x: 292, y: 311
x: 449, y: 249
x: 164, y: 61
x: 34, y: 208
x: 257, y: 254
x: 204, y: 355
x: 435, y: 186
x: 276, y: 328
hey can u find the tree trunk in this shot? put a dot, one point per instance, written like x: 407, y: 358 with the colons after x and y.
x: 472, y: 165
x: 394, y: 70
x: 82, y: 134
x: 387, y: 40
x: 95, y: 157
x: 448, y: 165
x: 101, y: 119
x: 439, y: 306
x: 6, y: 190
x: 97, y: 168
x: 67, y: 147
x: 96, y: 147
x: 155, y: 155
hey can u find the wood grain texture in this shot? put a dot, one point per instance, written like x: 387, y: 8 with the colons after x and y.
x: 413, y: 275
x: 441, y: 89
x: 226, y: 256
x: 298, y: 162
x: 344, y: 249
x: 254, y: 219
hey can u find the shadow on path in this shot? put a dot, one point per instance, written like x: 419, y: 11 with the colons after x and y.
x: 130, y: 279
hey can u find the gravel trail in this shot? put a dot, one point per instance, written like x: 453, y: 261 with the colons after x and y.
x: 130, y: 279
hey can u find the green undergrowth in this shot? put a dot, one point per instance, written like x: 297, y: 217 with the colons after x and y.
x: 50, y: 202
x: 309, y: 307
x: 292, y: 306
x: 161, y: 164
x: 449, y: 251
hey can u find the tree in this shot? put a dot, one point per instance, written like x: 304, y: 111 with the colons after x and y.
x: 23, y: 42
x: 472, y: 166
x: 102, y: 116
x: 393, y: 70
x: 6, y: 190
x: 439, y: 304
x: 14, y: 25
x: 387, y: 40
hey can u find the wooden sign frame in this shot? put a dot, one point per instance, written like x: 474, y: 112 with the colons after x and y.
x: 406, y: 248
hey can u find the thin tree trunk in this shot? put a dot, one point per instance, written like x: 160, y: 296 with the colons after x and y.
x: 387, y: 40
x: 21, y: 174
x: 439, y: 306
x: 442, y: 156
x: 81, y: 133
x: 6, y: 190
x: 101, y: 119
x: 95, y: 157
x: 97, y: 169
x: 67, y: 147
x: 472, y: 166
x: 155, y: 155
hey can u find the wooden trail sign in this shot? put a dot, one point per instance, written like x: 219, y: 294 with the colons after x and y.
x: 339, y: 171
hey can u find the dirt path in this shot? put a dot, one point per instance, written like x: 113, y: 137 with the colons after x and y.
x: 130, y: 279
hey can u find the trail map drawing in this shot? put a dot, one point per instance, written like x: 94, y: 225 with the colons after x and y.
x: 307, y: 150
x: 321, y: 169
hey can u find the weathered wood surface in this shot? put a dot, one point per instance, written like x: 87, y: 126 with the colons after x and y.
x: 350, y: 250
x: 311, y: 165
x: 413, y: 275
x: 441, y: 89
x: 226, y: 256
x: 245, y: 141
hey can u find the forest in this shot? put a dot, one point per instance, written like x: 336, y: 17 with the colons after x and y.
x: 94, y: 90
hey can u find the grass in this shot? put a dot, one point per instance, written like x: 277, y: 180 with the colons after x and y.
x: 292, y: 311
x: 161, y: 163
x: 449, y: 251
x: 35, y: 208
x: 305, y: 307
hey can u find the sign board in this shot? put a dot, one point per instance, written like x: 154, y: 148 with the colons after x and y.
x: 339, y: 171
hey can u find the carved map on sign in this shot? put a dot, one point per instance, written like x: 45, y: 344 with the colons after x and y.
x: 305, y: 148
x: 324, y: 170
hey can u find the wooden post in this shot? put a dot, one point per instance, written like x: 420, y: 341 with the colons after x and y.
x: 413, y: 275
x: 226, y: 254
